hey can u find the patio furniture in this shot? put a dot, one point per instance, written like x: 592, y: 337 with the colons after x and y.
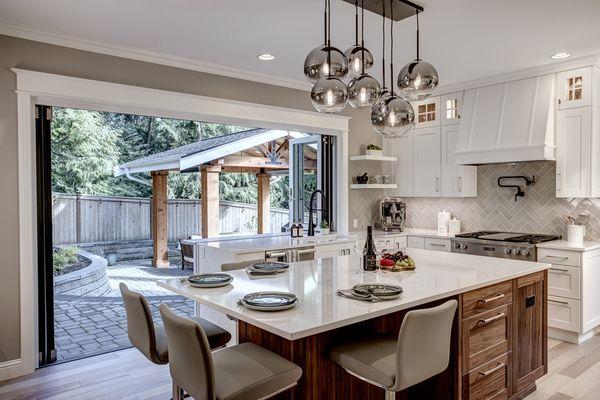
x: 187, y: 253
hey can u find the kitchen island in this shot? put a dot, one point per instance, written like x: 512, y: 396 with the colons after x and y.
x: 499, y: 336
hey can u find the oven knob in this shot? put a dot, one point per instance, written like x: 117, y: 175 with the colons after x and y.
x: 457, y: 245
x: 525, y: 252
x: 465, y: 246
x: 507, y: 251
x: 517, y: 252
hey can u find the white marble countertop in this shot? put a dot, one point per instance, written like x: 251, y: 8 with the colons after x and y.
x: 438, y: 275
x: 564, y: 245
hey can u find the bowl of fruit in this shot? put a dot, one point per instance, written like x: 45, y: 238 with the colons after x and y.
x: 397, y: 261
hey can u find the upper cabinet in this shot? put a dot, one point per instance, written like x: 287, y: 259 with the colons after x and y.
x: 457, y: 180
x: 574, y: 88
x: 573, y: 143
x: 427, y: 162
x: 451, y: 105
x: 427, y: 112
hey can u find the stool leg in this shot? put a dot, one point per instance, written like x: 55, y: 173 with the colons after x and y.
x: 177, y: 392
x: 390, y: 395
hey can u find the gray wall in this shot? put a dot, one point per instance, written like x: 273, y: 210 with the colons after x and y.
x: 60, y: 60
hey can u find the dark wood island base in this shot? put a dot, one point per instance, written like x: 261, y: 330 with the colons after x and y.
x: 499, y: 348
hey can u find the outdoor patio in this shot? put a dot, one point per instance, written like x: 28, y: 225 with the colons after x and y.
x: 86, y: 326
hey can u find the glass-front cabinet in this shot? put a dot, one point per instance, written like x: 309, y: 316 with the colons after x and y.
x: 451, y: 105
x: 574, y: 88
x: 427, y: 112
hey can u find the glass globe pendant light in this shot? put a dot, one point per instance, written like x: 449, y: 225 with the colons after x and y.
x: 392, y: 116
x: 359, y: 58
x: 329, y: 94
x: 418, y: 79
x: 325, y: 60
x: 363, y: 90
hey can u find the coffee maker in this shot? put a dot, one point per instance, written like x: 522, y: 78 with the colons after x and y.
x: 392, y: 214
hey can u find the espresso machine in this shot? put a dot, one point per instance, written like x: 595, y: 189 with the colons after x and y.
x: 392, y: 214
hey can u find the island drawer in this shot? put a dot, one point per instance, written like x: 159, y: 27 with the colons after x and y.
x: 486, y: 336
x: 489, y: 381
x: 561, y: 257
x: 485, y: 299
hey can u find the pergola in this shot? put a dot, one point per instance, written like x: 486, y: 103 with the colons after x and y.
x: 256, y: 151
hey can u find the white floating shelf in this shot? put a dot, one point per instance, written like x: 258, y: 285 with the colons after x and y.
x: 367, y: 157
x: 373, y: 186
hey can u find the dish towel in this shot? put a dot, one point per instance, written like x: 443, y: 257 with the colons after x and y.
x: 349, y: 293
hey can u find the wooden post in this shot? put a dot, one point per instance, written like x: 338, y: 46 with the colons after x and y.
x: 210, y: 200
x: 159, y: 219
x: 264, y: 202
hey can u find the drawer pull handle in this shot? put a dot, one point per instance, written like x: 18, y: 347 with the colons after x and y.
x: 491, y: 371
x: 558, y: 257
x: 563, y: 270
x: 490, y: 299
x: 437, y: 244
x: 491, y: 319
x: 558, y: 302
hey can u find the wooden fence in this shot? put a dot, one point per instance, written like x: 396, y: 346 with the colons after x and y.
x: 97, y: 219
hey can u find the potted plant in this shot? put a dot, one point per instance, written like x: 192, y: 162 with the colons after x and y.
x: 374, y: 150
x: 324, y: 227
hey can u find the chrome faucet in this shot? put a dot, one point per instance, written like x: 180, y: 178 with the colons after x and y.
x: 311, y: 210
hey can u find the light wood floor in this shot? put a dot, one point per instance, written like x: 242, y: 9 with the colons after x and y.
x: 574, y: 373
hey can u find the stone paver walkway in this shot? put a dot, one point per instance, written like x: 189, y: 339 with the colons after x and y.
x: 86, y: 326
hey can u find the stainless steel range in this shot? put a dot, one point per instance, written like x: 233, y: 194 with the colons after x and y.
x: 518, y: 246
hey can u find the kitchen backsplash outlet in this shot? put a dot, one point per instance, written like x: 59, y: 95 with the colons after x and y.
x: 494, y: 208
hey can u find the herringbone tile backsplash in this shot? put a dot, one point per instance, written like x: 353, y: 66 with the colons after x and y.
x: 494, y: 208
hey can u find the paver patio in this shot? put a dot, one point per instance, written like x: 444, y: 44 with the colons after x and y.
x: 86, y: 326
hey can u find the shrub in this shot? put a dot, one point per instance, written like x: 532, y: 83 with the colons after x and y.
x: 63, y: 257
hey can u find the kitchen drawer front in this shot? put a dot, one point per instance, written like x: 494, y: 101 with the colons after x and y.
x: 437, y: 244
x: 561, y: 257
x: 487, y: 298
x: 564, y: 281
x: 564, y: 313
x: 416, y: 242
x: 486, y: 336
x: 489, y: 381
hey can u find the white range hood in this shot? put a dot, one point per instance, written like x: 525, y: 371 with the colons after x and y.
x: 508, y: 122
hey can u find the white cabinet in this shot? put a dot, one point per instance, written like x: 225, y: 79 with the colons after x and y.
x: 427, y: 162
x: 574, y: 154
x: 457, y: 180
x: 451, y: 107
x: 416, y: 242
x: 574, y: 88
x: 437, y: 244
x: 427, y: 112
x: 564, y: 314
x: 401, y: 171
x: 334, y: 250
x: 564, y: 281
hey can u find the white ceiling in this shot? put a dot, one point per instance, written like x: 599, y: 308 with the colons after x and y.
x: 464, y: 39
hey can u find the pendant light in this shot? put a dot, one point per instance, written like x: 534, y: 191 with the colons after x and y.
x: 359, y: 58
x: 363, y: 90
x: 329, y: 94
x: 392, y: 116
x: 418, y: 79
x: 325, y: 61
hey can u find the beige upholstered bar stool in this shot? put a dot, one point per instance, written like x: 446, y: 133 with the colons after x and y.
x: 238, y: 265
x: 150, y: 338
x: 421, y: 350
x: 242, y: 372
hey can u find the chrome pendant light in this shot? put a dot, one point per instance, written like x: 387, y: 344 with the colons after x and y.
x: 329, y: 94
x: 363, y: 90
x: 418, y: 79
x: 325, y: 61
x: 359, y: 58
x: 392, y: 116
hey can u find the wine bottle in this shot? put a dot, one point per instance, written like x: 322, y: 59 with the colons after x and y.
x: 294, y: 230
x: 370, y: 256
x: 300, y: 229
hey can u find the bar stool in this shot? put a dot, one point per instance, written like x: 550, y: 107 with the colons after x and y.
x: 150, y: 338
x: 421, y: 350
x: 238, y: 265
x: 241, y: 372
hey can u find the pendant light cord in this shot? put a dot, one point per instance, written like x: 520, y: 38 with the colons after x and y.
x: 418, y: 56
x: 383, y: 30
x: 362, y: 35
x: 328, y: 12
x: 356, y: 22
x: 392, y: 45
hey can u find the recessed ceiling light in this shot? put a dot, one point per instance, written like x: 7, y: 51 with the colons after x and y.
x: 559, y: 56
x: 266, y: 57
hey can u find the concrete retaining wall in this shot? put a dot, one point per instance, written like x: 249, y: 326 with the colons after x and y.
x: 89, y: 281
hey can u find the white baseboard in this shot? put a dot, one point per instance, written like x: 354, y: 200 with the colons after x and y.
x: 12, y: 369
x: 571, y: 337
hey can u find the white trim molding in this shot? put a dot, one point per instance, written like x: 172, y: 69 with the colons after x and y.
x: 135, y: 53
x: 57, y: 90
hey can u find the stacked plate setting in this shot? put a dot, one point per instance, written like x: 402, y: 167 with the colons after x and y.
x: 269, y: 301
x: 379, y: 290
x: 210, y: 280
x: 267, y: 268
